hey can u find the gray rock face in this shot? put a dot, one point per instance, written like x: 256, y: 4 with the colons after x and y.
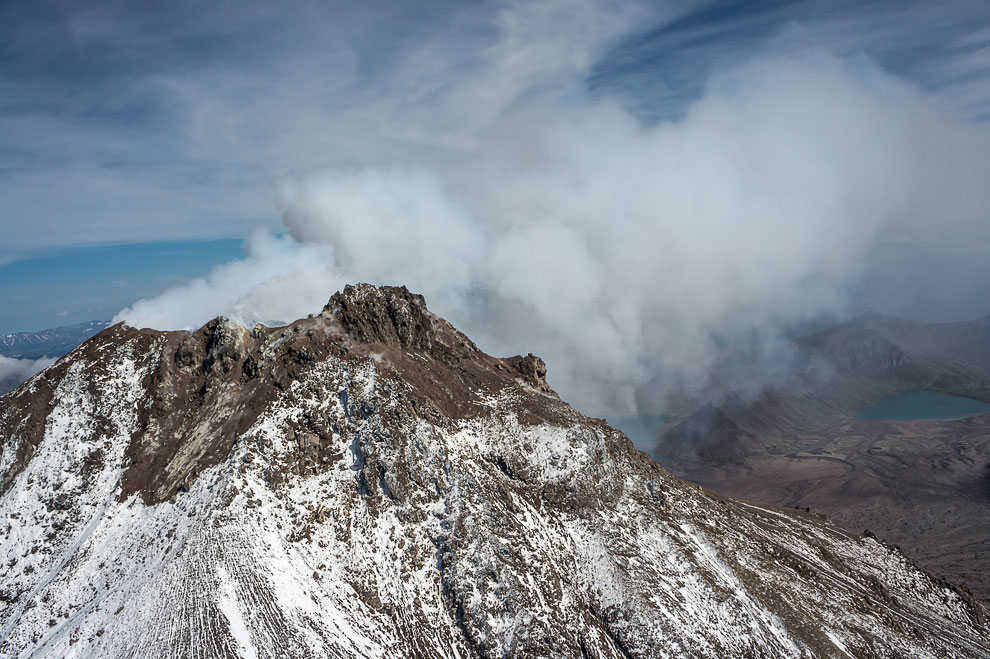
x: 368, y: 483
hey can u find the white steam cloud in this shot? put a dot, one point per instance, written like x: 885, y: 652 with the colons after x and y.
x: 15, y: 371
x: 632, y: 257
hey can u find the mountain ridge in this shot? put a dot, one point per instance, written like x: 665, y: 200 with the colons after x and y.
x: 52, y: 342
x: 366, y: 481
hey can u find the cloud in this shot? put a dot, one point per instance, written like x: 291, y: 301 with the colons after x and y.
x: 268, y: 285
x: 178, y: 121
x: 13, y: 372
x: 637, y: 258
x: 130, y: 124
x: 641, y: 192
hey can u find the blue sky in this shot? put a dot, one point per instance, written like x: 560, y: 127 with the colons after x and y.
x: 141, y: 144
x: 69, y: 285
x: 939, y: 46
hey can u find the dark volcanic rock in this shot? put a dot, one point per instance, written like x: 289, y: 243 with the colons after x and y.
x: 390, y: 316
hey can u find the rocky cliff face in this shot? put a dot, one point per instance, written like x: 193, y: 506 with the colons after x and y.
x: 367, y: 482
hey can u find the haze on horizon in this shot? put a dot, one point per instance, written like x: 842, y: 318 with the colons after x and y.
x: 636, y: 191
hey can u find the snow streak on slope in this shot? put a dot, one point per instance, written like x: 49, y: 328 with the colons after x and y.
x: 404, y: 495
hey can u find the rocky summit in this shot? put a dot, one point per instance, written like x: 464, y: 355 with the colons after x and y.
x: 367, y: 482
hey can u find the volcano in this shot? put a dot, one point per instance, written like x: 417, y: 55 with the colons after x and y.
x: 367, y: 482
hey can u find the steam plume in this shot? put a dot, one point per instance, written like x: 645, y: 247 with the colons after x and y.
x: 15, y: 371
x: 634, y: 257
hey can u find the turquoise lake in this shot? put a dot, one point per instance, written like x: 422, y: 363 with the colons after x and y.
x: 915, y: 405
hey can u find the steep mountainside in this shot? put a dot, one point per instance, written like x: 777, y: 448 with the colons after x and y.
x: 924, y: 485
x: 366, y: 482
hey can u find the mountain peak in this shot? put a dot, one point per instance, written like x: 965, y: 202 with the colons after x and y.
x: 207, y: 387
x: 366, y: 482
x: 708, y: 433
x: 393, y: 317
x: 390, y: 315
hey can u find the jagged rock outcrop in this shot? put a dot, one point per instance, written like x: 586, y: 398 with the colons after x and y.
x: 367, y: 482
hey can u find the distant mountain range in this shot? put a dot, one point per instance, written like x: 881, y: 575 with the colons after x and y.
x: 53, y: 342
x: 922, y: 484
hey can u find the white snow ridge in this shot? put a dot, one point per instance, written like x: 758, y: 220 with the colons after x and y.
x: 367, y: 483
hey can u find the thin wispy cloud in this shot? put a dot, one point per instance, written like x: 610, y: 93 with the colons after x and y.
x: 128, y: 123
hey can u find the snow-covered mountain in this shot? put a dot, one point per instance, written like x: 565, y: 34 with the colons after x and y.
x: 53, y: 342
x: 366, y: 482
